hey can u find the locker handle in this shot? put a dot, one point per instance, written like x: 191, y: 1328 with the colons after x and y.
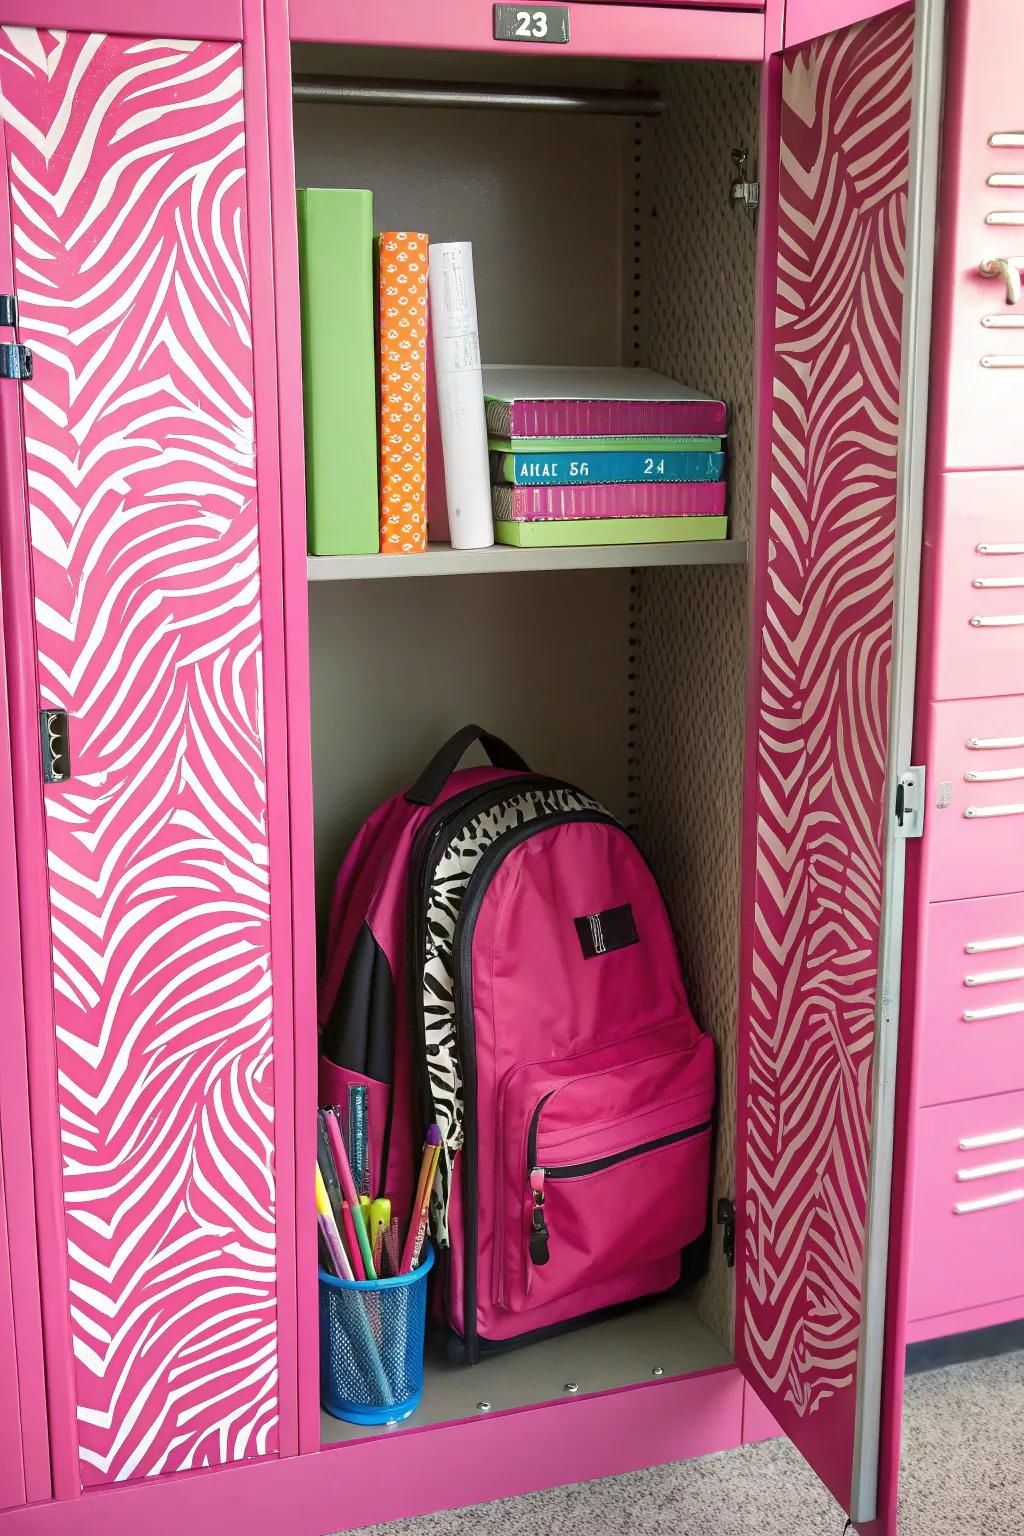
x: 998, y: 1011
x: 1014, y: 360
x: 984, y: 582
x: 973, y: 812
x: 981, y: 946
x: 993, y: 775
x: 986, y: 743
x: 1000, y: 549
x: 990, y: 1170
x: 991, y: 1139
x: 986, y: 978
x: 964, y: 1207
x: 1007, y: 140
x: 998, y: 621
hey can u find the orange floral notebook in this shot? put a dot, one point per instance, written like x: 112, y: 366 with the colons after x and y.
x: 403, y: 391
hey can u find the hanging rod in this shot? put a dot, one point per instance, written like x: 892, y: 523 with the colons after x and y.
x: 347, y: 90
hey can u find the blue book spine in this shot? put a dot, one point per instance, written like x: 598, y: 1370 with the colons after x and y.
x: 604, y: 468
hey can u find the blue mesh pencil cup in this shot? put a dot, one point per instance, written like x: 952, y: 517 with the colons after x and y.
x: 371, y: 1345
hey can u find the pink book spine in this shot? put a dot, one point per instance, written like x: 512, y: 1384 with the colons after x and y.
x: 547, y: 503
x: 616, y: 418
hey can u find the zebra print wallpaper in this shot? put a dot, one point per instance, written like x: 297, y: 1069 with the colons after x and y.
x: 806, y: 1077
x: 126, y: 167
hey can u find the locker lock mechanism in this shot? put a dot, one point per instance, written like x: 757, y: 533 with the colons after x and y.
x: 726, y: 1215
x: 910, y: 792
x: 746, y: 194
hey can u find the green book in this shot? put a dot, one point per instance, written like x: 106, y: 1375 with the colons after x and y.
x: 610, y: 530
x: 339, y: 372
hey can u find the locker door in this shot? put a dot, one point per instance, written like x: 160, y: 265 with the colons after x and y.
x: 24, y: 1451
x: 141, y: 593
x: 846, y: 302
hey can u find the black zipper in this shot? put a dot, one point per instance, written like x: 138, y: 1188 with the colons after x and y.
x: 580, y: 1170
x: 465, y: 1036
x: 540, y: 1233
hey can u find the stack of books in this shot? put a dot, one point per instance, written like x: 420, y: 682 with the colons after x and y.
x: 603, y: 456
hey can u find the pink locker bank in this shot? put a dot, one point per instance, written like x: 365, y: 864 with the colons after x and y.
x: 816, y: 727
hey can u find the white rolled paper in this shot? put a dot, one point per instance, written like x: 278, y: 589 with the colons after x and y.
x: 460, y: 395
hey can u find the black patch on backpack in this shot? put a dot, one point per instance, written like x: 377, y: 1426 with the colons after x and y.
x: 601, y: 932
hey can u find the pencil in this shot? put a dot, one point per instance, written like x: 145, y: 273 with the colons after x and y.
x: 421, y: 1206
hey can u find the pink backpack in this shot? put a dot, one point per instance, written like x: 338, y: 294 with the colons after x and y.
x: 500, y: 962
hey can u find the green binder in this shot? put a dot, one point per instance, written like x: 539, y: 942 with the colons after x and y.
x: 610, y: 530
x: 339, y: 370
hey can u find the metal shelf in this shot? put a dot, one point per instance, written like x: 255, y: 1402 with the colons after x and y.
x: 660, y: 1340
x: 502, y: 559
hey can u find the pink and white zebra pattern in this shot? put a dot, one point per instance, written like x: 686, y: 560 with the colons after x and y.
x: 126, y: 164
x: 806, y: 1081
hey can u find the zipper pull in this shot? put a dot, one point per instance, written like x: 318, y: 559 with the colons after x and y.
x: 538, y: 1227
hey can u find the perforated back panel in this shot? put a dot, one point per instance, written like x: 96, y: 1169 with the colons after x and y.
x: 689, y: 678
x: 691, y: 655
x: 699, y: 278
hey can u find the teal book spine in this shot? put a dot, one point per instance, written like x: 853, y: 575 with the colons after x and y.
x: 339, y: 370
x: 602, y: 468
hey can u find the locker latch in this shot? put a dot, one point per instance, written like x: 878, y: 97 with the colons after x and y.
x: 746, y: 193
x: 8, y: 309
x: 910, y: 802
x: 56, y: 743
x: 727, y: 1221
x: 15, y: 360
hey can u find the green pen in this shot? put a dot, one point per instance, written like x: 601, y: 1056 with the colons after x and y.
x: 363, y: 1240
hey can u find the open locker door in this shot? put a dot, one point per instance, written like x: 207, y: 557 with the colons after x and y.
x: 846, y: 304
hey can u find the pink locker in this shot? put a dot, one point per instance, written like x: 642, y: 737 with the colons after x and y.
x: 135, y: 565
x: 967, y: 1234
x: 176, y: 802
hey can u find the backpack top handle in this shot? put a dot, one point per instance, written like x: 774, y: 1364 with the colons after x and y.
x: 445, y: 761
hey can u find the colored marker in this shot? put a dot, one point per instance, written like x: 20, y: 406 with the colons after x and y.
x: 325, y: 1219
x: 351, y: 1194
x: 380, y: 1218
x: 359, y: 1272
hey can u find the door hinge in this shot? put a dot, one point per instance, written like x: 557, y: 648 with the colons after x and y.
x: 727, y: 1221
x: 15, y: 360
x: 56, y: 743
x: 910, y: 792
x: 8, y: 309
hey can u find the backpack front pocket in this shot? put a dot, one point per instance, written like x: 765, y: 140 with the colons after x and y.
x: 612, y: 1165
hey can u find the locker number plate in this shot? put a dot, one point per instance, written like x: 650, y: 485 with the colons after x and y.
x: 531, y: 23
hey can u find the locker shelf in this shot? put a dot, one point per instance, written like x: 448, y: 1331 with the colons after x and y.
x: 442, y: 560
x: 660, y: 1340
